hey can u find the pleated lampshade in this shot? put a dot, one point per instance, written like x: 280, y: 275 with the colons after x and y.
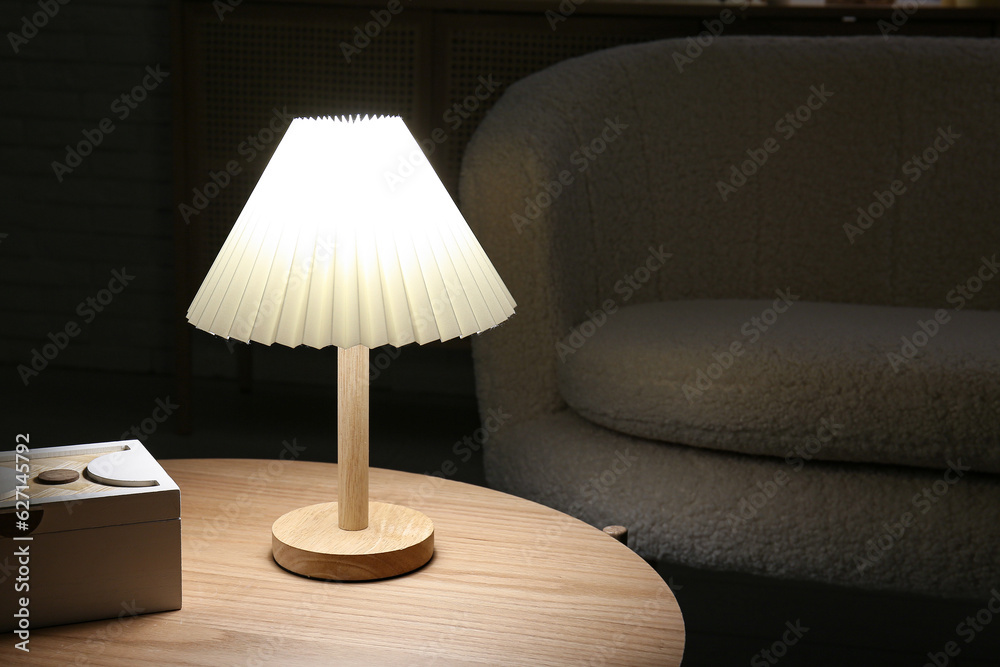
x: 350, y: 238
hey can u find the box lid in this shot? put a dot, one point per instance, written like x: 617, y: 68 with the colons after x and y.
x: 118, y: 483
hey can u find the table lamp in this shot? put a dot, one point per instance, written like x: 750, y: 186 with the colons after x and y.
x: 350, y: 239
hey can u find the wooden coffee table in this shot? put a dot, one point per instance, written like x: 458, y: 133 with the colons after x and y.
x: 511, y: 583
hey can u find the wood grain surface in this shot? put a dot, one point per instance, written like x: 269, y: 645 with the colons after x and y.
x: 511, y: 583
x: 352, y: 436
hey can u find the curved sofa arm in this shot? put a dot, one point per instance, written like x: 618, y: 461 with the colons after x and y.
x: 755, y: 167
x: 521, y: 212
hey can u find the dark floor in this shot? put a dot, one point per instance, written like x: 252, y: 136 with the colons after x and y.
x: 730, y: 618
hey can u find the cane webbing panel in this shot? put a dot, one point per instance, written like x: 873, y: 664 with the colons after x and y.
x: 260, y: 59
x: 263, y: 57
x: 511, y: 49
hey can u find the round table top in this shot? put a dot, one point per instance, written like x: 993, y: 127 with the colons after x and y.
x: 511, y: 582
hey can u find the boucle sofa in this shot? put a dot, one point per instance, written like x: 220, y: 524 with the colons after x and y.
x: 757, y: 303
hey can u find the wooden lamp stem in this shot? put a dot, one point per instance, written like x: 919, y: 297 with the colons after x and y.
x: 352, y: 539
x: 352, y: 437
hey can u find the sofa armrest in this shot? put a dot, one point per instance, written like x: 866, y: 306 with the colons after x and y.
x: 515, y: 217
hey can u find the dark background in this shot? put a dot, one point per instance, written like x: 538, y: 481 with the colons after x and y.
x: 61, y: 241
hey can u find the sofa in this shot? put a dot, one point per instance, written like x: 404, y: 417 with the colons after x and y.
x: 758, y: 303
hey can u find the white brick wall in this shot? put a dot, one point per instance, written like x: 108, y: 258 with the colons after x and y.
x: 114, y: 210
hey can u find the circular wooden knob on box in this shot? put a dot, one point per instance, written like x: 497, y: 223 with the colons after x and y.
x: 58, y: 476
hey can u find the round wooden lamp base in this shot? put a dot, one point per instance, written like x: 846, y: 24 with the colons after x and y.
x: 309, y: 541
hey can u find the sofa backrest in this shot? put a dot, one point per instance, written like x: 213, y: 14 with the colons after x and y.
x: 859, y: 170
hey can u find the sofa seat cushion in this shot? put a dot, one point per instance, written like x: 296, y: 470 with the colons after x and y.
x: 794, y: 379
x: 705, y: 508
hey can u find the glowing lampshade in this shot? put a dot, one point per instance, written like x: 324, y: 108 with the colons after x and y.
x: 334, y: 247
x: 350, y: 239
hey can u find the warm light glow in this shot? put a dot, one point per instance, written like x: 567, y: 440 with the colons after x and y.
x: 350, y: 238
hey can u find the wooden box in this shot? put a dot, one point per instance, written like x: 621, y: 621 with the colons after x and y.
x: 105, y: 544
